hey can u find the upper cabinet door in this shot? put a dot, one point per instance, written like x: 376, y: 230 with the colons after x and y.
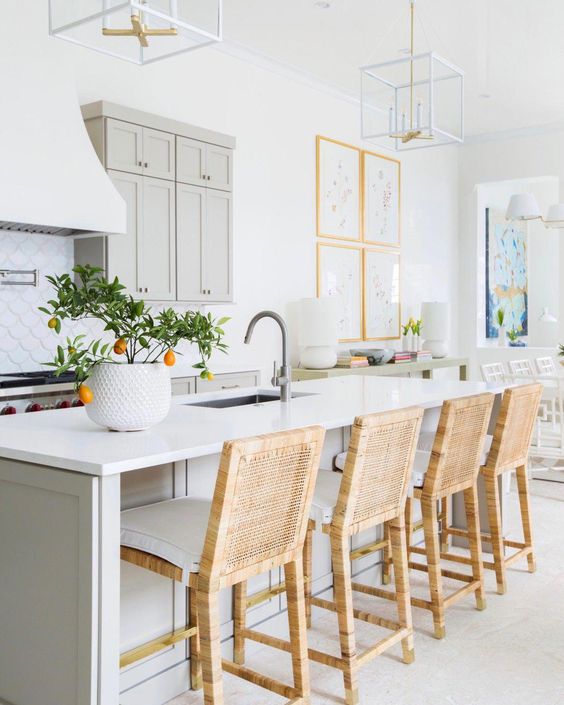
x: 159, y: 154
x: 219, y: 170
x: 190, y: 237
x: 122, y: 249
x: 217, y: 248
x: 191, y: 161
x: 157, y: 244
x: 124, y: 146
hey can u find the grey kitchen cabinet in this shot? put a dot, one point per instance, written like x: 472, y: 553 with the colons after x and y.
x: 179, y: 251
x: 124, y: 147
x: 140, y: 150
x: 144, y: 259
x: 230, y: 380
x: 183, y: 385
x: 203, y: 164
x: 159, y: 154
x: 204, y: 237
x: 156, y: 241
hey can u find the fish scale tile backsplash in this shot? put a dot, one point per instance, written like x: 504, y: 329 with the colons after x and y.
x: 25, y: 340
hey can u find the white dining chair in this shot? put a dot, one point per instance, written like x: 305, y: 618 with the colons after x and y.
x: 493, y: 372
x: 546, y: 365
x: 521, y: 368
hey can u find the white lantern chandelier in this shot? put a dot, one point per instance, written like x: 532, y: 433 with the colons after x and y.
x: 141, y: 31
x: 412, y: 102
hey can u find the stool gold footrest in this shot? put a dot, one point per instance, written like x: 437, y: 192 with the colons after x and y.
x: 156, y: 645
x: 368, y: 549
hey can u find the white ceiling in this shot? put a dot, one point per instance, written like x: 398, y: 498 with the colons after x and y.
x: 511, y: 50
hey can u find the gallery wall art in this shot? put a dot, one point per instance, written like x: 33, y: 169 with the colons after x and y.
x: 506, y: 273
x: 381, y: 295
x: 338, y: 190
x: 339, y: 274
x: 381, y: 199
x: 359, y: 200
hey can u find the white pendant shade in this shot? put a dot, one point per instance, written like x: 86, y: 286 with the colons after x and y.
x: 318, y: 322
x: 523, y: 206
x: 140, y: 31
x: 555, y: 216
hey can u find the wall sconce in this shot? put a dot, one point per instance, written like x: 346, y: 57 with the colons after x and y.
x: 524, y: 206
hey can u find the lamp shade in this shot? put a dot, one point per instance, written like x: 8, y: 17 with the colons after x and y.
x: 318, y: 322
x: 547, y: 317
x: 523, y: 206
x: 555, y: 216
x: 436, y: 320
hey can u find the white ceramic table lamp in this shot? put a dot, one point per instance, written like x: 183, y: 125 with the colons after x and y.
x: 318, y: 333
x: 436, y: 326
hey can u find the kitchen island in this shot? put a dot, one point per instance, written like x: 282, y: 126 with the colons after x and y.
x: 63, y: 483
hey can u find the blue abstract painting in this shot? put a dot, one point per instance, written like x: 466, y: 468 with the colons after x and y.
x: 506, y: 274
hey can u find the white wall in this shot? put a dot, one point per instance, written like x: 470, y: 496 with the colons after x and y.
x: 526, y: 158
x: 275, y: 120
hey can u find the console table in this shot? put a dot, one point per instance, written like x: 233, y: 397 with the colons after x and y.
x: 426, y: 368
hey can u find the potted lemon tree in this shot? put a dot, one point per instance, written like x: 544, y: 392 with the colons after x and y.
x: 123, y: 378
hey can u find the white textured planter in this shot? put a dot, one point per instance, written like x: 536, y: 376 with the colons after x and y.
x: 502, y: 337
x: 129, y: 397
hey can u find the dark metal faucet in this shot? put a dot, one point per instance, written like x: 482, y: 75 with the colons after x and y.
x: 282, y: 378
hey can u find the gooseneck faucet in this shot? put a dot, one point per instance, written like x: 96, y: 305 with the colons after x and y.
x: 282, y: 378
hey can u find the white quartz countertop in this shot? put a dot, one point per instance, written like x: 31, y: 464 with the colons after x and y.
x: 68, y: 440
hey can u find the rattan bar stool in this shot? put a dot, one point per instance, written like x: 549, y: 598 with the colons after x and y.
x: 452, y: 466
x: 509, y: 451
x: 257, y: 521
x: 372, y: 490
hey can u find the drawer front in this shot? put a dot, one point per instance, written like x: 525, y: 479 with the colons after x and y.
x: 228, y: 381
x: 183, y: 385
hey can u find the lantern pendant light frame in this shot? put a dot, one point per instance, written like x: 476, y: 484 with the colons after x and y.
x: 140, y: 29
x: 402, y: 135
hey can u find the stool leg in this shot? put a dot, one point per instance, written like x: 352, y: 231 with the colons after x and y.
x: 401, y: 575
x: 409, y: 526
x: 524, y: 504
x: 343, y: 600
x: 432, y: 550
x: 494, y: 516
x: 195, y: 660
x: 239, y: 621
x: 475, y: 542
x: 210, y: 647
x: 386, y: 555
x: 445, y: 523
x: 297, y: 623
x: 308, y: 572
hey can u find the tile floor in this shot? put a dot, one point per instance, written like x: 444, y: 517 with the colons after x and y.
x: 510, y: 654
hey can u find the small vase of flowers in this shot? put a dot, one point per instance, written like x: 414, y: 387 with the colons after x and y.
x: 128, y: 374
x: 501, y: 330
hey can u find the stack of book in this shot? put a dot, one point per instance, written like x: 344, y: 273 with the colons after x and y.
x: 350, y: 361
x: 421, y: 356
x: 401, y: 356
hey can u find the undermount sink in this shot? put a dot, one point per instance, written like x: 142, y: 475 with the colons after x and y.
x: 246, y: 400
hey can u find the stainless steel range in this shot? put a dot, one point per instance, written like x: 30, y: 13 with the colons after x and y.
x: 24, y: 392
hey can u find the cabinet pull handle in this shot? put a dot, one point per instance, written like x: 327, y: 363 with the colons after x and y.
x: 230, y: 386
x: 209, y: 178
x: 204, y: 177
x: 139, y: 163
x: 146, y: 165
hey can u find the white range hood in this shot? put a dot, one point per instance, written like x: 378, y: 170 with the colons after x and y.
x: 51, y: 180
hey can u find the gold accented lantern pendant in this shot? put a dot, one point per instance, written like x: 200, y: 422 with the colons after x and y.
x: 412, y: 102
x: 141, y: 31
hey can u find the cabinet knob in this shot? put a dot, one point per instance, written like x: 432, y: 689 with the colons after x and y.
x: 146, y: 165
x: 209, y: 178
x: 139, y: 163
